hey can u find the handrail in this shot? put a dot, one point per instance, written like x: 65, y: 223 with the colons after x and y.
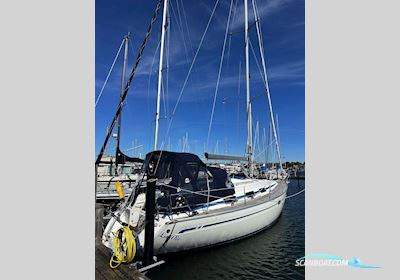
x: 271, y: 195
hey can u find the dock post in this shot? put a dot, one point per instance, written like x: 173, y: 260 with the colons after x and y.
x: 149, y: 225
x: 99, y: 223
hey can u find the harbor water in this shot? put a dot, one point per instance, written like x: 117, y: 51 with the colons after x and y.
x: 270, y: 254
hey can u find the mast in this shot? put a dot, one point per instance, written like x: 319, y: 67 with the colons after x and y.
x: 278, y: 138
x: 126, y: 39
x: 128, y: 84
x: 163, y: 28
x: 271, y: 147
x: 248, y: 107
x: 265, y: 147
x: 257, y: 138
x: 266, y: 82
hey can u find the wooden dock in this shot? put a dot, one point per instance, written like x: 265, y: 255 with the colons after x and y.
x: 104, y: 272
x: 103, y: 255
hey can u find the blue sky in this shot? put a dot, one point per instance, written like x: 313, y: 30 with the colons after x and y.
x: 282, y: 24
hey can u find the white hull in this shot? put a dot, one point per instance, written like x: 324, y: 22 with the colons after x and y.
x: 221, y: 223
x: 209, y: 230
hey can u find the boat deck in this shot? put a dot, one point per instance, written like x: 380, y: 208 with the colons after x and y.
x: 277, y: 192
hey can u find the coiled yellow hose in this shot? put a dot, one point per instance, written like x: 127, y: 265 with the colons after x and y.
x: 124, y: 247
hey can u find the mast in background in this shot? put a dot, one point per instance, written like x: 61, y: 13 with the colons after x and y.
x: 163, y: 28
x: 260, y: 44
x: 128, y: 84
x: 126, y: 39
x: 264, y: 140
x: 248, y: 107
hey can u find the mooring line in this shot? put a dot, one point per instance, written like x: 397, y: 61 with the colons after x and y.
x: 293, y: 195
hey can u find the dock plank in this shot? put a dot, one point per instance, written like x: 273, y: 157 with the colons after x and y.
x: 104, y: 272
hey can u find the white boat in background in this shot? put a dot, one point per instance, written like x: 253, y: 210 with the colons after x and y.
x: 127, y: 175
x: 119, y: 170
x: 197, y: 205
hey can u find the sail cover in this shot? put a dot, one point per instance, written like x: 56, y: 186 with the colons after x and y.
x: 183, y: 180
x: 122, y: 158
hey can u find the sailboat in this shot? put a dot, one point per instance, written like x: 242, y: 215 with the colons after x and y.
x: 198, y: 206
x: 117, y: 176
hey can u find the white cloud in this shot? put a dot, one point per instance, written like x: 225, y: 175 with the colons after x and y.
x: 291, y: 70
x: 265, y: 8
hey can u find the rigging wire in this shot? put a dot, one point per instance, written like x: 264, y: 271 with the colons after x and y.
x: 238, y: 103
x: 228, y: 55
x: 164, y: 99
x: 219, y: 75
x: 259, y: 69
x: 181, y: 31
x: 261, y: 46
x: 180, y: 21
x: 187, y: 27
x: 268, y: 141
x: 278, y: 138
x: 168, y: 57
x: 122, y: 99
x: 131, y: 45
x: 165, y: 84
x: 258, y: 64
x: 109, y: 73
x: 239, y: 31
x: 230, y: 37
x: 191, y: 67
x: 186, y: 80
x: 293, y: 195
x: 263, y: 150
x: 151, y: 75
x: 264, y: 140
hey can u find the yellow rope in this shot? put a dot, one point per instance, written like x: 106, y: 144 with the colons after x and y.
x: 124, y: 247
